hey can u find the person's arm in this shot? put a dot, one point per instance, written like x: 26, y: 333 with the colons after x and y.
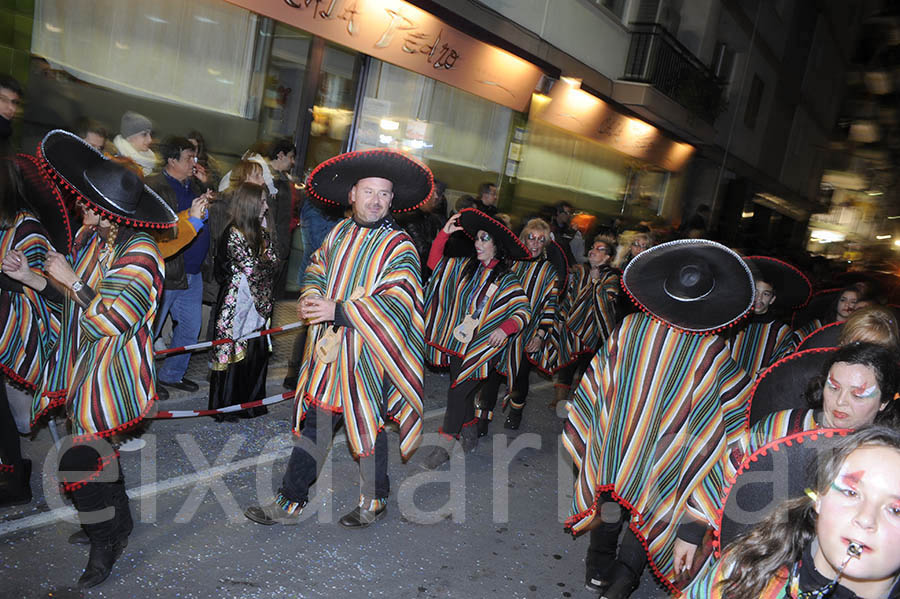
x: 437, y: 246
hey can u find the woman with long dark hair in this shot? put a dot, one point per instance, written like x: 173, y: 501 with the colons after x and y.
x: 472, y: 307
x: 839, y: 541
x: 246, y: 268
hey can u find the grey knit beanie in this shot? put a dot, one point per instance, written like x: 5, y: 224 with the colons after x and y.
x: 132, y: 123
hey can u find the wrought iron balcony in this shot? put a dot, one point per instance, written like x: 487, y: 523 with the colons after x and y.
x: 657, y: 58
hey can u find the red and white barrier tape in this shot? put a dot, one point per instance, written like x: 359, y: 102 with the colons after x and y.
x: 229, y: 409
x: 207, y: 344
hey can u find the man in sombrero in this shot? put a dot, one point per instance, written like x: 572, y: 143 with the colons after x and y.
x: 765, y: 338
x: 364, y: 358
x: 656, y: 409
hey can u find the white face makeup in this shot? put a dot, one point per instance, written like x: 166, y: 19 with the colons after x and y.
x: 484, y: 247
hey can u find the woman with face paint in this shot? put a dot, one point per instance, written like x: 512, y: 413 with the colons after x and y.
x: 839, y: 541
x: 472, y: 307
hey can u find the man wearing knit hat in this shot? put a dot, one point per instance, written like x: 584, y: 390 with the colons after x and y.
x: 134, y: 139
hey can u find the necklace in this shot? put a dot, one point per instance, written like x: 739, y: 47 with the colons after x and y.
x: 793, y: 591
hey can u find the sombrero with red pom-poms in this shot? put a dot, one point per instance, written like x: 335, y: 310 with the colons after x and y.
x: 780, y: 470
x: 783, y: 384
x: 557, y: 257
x: 473, y: 220
x: 47, y: 201
x: 332, y: 180
x: 693, y: 285
x: 792, y: 288
x: 114, y: 191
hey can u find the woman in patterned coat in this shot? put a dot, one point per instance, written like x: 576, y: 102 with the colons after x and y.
x: 110, y: 291
x: 247, y: 265
x: 472, y: 307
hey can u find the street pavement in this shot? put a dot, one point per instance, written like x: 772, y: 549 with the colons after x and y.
x: 489, y: 524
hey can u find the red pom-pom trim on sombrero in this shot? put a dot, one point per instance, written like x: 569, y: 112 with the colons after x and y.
x: 512, y: 237
x: 817, y: 331
x: 796, y: 271
x: 38, y: 176
x: 774, y: 445
x: 311, y: 188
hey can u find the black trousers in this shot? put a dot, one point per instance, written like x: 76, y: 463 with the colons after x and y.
x: 567, y: 374
x: 308, y: 458
x: 604, y: 540
x: 460, y: 400
x: 10, y: 448
x: 487, y: 399
x: 103, y: 507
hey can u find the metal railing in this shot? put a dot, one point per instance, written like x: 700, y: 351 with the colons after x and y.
x: 657, y: 58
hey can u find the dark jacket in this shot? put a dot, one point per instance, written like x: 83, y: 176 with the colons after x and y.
x: 175, y: 273
x: 280, y: 215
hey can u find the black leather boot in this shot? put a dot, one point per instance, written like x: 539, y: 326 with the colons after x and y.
x: 15, y: 486
x: 103, y: 527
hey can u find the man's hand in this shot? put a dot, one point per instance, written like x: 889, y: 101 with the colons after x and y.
x: 534, y: 344
x: 56, y: 266
x: 316, y: 309
x: 497, y: 338
x: 199, y: 206
x: 200, y: 173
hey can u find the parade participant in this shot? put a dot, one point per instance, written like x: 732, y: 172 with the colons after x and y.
x: 764, y: 338
x: 111, y: 292
x: 538, y: 278
x: 363, y: 289
x: 654, y: 413
x: 837, y: 540
x: 247, y: 265
x: 857, y: 388
x: 31, y: 323
x: 874, y: 324
x: 472, y: 307
x: 589, y: 312
x: 841, y: 308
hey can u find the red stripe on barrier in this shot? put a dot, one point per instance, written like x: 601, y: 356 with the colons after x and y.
x: 268, y: 401
x: 208, y: 344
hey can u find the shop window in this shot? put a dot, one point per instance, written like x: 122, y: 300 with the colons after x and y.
x: 187, y: 51
x: 460, y: 136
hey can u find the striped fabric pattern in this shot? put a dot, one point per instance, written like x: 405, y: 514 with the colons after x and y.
x: 758, y: 345
x: 30, y: 323
x: 382, y: 351
x: 707, y: 585
x: 58, y: 370
x: 592, y: 312
x: 449, y: 298
x: 804, y: 331
x: 651, y: 419
x: 113, y: 381
x: 538, y: 279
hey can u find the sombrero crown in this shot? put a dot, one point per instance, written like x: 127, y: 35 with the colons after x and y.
x: 792, y: 287
x: 693, y: 285
x: 473, y: 220
x: 112, y: 190
x: 332, y: 180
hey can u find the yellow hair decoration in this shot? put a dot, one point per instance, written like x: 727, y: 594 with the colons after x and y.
x: 812, y: 494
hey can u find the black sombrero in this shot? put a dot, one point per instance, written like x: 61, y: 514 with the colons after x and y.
x: 826, y: 336
x: 792, y: 288
x: 693, y: 285
x: 557, y: 257
x: 820, y: 306
x: 332, y: 180
x: 473, y: 220
x: 116, y: 192
x: 47, y: 201
x: 783, y: 384
x: 776, y: 472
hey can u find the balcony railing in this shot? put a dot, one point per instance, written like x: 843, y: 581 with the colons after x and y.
x: 657, y: 58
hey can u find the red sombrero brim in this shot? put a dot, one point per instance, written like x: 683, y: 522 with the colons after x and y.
x: 793, y: 289
x: 473, y: 220
x: 332, y: 180
x: 47, y: 202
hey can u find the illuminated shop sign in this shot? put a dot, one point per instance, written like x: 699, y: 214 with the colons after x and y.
x: 402, y: 34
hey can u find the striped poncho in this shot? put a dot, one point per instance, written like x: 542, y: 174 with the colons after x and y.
x: 651, y: 420
x: 761, y: 343
x: 447, y: 301
x: 538, y: 279
x: 30, y: 322
x: 591, y: 313
x: 111, y: 386
x: 381, y: 351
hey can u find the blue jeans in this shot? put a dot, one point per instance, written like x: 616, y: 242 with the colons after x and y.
x: 186, y: 308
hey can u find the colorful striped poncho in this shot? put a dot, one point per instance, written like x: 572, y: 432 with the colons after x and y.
x: 591, y: 314
x: 447, y: 301
x: 112, y: 384
x: 30, y: 322
x: 804, y: 331
x: 760, y: 343
x: 381, y: 351
x: 538, y: 278
x: 650, y: 422
x: 707, y: 586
